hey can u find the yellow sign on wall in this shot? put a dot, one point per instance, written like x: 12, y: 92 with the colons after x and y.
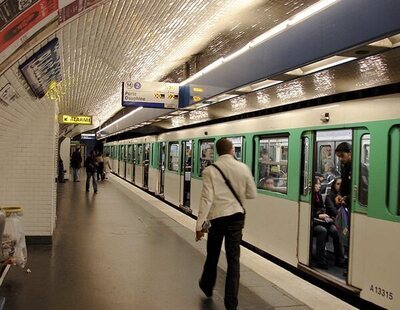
x: 75, y: 119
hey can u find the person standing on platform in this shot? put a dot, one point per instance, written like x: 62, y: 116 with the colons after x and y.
x: 100, y: 166
x: 76, y: 162
x: 222, y: 196
x: 107, y: 165
x: 91, y: 168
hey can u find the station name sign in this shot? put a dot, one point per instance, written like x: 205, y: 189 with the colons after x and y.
x: 75, y: 119
x: 150, y: 94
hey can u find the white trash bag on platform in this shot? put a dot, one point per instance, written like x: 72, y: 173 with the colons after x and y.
x: 13, y: 241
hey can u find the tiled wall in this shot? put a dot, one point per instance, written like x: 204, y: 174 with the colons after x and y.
x: 28, y: 148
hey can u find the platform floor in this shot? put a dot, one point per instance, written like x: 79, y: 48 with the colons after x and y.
x: 124, y: 249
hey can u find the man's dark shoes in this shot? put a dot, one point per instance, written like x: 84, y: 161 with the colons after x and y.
x: 206, y: 292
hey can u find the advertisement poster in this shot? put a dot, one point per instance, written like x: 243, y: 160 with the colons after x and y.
x: 7, y: 94
x: 43, y: 68
x: 74, y: 8
x: 10, y: 9
x: 20, y: 19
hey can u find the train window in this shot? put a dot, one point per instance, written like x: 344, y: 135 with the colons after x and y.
x: 173, y: 156
x: 206, y: 154
x: 394, y: 171
x: 325, y: 157
x: 272, y: 164
x: 139, y: 154
x: 364, y: 170
x: 305, y: 166
x: 238, y: 147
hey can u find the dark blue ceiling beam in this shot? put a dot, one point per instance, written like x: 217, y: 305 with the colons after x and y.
x: 343, y: 26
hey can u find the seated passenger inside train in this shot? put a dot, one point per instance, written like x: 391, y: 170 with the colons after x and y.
x: 330, y: 172
x: 324, y: 226
x: 267, y: 183
x: 336, y: 208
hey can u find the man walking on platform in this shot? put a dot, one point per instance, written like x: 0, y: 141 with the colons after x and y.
x: 226, y: 184
x: 91, y: 168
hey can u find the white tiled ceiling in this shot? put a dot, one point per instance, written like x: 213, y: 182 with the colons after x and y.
x: 145, y: 40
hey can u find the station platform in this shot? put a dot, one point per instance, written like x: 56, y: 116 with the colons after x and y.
x: 125, y: 249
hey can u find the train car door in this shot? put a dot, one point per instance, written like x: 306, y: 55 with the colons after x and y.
x: 133, y: 162
x: 328, y: 241
x: 354, y: 241
x: 307, y: 141
x: 146, y: 164
x: 123, y: 161
x: 186, y: 173
x: 161, y: 168
x: 119, y: 154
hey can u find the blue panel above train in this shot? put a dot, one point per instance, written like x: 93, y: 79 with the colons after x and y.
x: 337, y: 29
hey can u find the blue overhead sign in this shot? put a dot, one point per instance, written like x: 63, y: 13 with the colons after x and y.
x: 150, y: 94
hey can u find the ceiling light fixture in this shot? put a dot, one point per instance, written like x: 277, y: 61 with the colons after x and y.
x: 120, y: 119
x: 306, y: 13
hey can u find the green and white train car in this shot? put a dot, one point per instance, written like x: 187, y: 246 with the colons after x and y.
x: 291, y: 148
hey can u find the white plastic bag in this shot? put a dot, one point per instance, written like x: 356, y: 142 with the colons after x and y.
x: 13, y: 242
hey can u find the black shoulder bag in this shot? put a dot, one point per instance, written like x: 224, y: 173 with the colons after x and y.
x: 228, y: 183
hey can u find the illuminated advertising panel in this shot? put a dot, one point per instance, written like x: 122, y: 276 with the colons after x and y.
x: 75, y: 7
x: 20, y: 19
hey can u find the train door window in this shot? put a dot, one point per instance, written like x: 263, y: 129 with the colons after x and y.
x: 186, y: 171
x: 238, y: 147
x: 206, y: 154
x: 394, y: 171
x: 305, y: 179
x: 173, y: 156
x: 363, y: 170
x: 146, y: 154
x: 273, y: 163
x: 327, y: 166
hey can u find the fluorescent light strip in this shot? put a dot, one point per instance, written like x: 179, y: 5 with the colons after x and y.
x: 306, y: 13
x: 120, y: 119
x: 332, y: 64
x: 311, y: 10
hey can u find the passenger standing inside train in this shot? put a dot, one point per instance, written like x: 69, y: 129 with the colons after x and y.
x: 223, y: 207
x: 343, y: 152
x: 91, y: 168
x: 76, y: 162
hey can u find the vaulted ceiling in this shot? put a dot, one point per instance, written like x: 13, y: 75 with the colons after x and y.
x: 145, y: 40
x: 105, y: 42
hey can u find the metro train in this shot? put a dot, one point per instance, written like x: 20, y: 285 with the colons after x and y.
x: 290, y: 148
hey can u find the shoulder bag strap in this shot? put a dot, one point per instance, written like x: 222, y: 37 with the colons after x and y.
x: 228, y: 183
